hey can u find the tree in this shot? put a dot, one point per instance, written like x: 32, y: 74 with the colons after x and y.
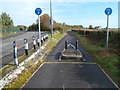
x: 90, y: 27
x: 33, y: 27
x: 45, y: 22
x: 80, y: 26
x: 6, y: 19
x: 56, y: 26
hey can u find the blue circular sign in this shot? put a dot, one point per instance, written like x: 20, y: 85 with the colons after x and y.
x: 38, y: 11
x: 108, y: 11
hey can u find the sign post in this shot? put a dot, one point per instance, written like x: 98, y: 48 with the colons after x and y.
x: 51, y: 22
x: 108, y: 11
x: 38, y: 11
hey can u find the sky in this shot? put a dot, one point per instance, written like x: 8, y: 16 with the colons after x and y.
x: 72, y: 12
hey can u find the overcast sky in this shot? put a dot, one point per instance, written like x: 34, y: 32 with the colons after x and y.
x: 72, y: 12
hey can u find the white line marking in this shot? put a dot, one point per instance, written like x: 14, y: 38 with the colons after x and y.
x: 5, y: 44
x: 60, y: 58
x: 10, y: 42
x: 109, y: 77
x: 63, y: 87
x: 5, y: 54
x: 32, y: 75
x: 4, y: 67
x: 84, y: 60
x: 20, y: 39
x: 60, y: 54
x: 1, y: 56
x: 71, y: 45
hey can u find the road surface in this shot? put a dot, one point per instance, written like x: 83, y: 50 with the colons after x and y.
x: 6, y: 55
x: 64, y: 74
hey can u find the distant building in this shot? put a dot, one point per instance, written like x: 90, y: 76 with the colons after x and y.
x: 119, y: 14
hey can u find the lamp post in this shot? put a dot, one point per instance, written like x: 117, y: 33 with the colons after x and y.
x: 51, y: 27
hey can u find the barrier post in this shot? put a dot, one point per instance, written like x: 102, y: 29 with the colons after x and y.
x: 15, y: 53
x: 34, y: 43
x: 66, y: 42
x: 26, y: 46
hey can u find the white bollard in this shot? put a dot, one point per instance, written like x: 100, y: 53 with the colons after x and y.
x: 26, y: 46
x: 34, y: 43
x: 15, y: 53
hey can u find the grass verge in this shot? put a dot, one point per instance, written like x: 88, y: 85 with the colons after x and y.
x: 106, y: 58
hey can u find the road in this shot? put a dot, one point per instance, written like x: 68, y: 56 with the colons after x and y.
x: 63, y: 74
x: 6, y: 55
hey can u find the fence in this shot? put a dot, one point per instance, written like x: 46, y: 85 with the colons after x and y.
x: 9, y: 31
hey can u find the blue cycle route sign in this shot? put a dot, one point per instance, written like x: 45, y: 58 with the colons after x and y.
x: 38, y: 11
x: 108, y: 11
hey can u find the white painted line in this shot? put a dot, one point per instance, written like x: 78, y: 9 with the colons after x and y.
x: 10, y: 42
x: 6, y: 54
x: 4, y: 67
x: 84, y: 60
x: 60, y: 58
x: 32, y: 75
x: 71, y: 45
x: 61, y: 53
x: 109, y: 77
x: 63, y: 50
x: 63, y: 87
x: 1, y: 56
x: 5, y: 44
x: 20, y: 39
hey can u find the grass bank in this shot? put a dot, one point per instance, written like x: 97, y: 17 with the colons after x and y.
x: 106, y: 58
x: 25, y: 75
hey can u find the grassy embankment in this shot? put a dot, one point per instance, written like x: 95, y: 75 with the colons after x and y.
x: 22, y: 78
x: 108, y: 59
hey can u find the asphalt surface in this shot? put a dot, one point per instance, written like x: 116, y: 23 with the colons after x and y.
x: 7, y: 44
x: 6, y: 55
x: 63, y: 74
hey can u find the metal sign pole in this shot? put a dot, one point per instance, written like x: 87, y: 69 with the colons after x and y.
x: 38, y: 11
x: 51, y: 18
x: 107, y: 31
x: 108, y: 11
x: 39, y: 31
